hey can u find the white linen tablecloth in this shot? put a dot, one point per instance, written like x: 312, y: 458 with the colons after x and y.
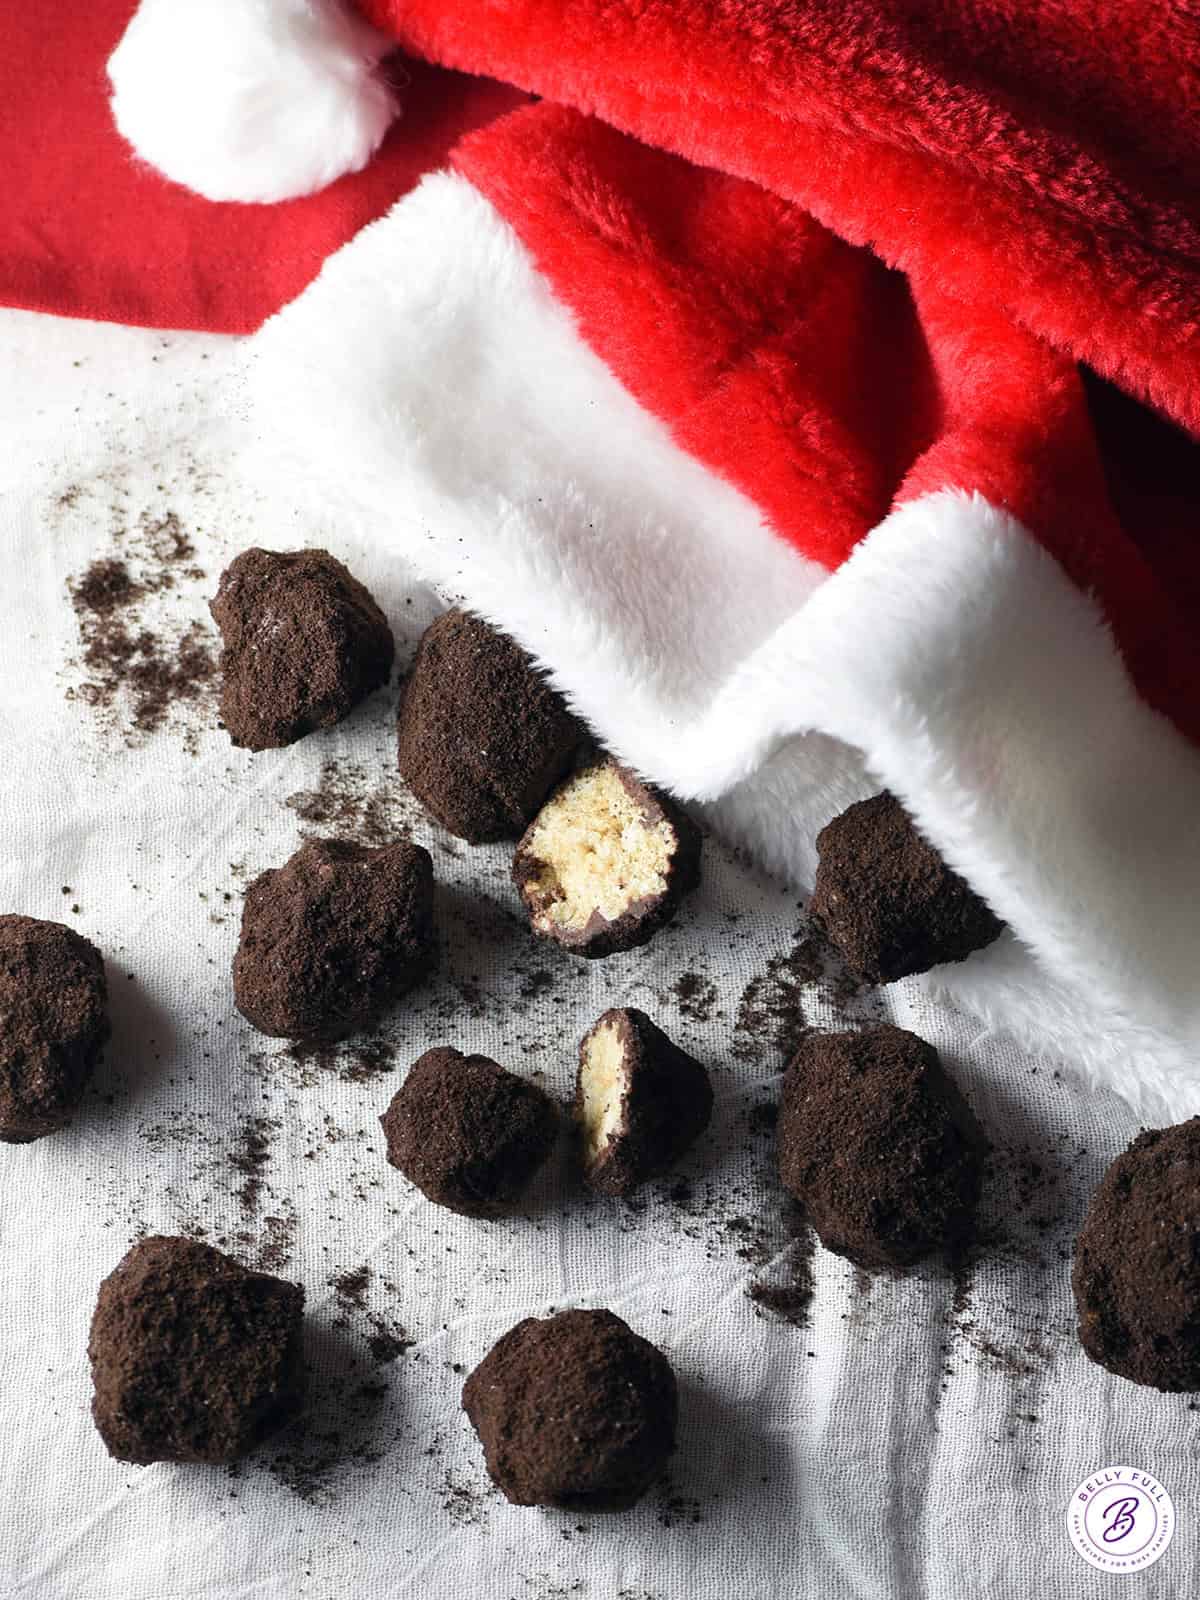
x: 919, y: 1437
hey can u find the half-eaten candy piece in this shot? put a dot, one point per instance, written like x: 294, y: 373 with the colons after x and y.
x: 640, y: 1101
x: 606, y: 862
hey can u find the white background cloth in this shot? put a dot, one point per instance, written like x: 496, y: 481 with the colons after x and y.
x: 920, y: 1438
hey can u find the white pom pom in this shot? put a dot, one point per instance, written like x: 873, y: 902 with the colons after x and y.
x: 251, y: 99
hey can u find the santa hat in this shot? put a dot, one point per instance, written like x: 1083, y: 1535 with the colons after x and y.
x: 785, y: 523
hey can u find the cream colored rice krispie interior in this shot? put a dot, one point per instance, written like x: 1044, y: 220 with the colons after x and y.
x: 596, y: 851
x: 603, y: 1079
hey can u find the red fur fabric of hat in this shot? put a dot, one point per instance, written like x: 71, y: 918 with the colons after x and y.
x: 812, y: 385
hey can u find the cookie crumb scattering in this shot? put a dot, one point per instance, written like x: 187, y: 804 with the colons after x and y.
x: 575, y: 1410
x: 787, y: 1292
x: 352, y: 802
x: 606, y: 862
x: 333, y: 938
x: 137, y: 668
x: 386, y: 1341
x: 482, y: 737
x: 194, y: 1358
x: 640, y: 1101
x: 54, y: 1015
x: 1136, y: 1276
x: 888, y: 901
x: 879, y: 1147
x: 470, y: 1135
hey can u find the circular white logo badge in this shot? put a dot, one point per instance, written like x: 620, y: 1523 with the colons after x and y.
x: 1121, y: 1519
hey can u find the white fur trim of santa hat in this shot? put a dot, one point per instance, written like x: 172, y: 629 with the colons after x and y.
x: 430, y: 390
x: 251, y: 100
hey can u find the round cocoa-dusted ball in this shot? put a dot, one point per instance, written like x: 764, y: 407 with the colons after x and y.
x: 482, y: 735
x: 470, y: 1135
x: 606, y: 862
x: 640, y: 1101
x: 1136, y: 1274
x: 888, y: 901
x: 333, y: 938
x: 304, y: 642
x: 879, y: 1147
x: 194, y: 1358
x: 575, y: 1411
x: 53, y: 1025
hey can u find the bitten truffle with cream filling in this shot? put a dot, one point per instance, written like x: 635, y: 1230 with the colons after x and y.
x: 606, y: 862
x: 576, y: 1411
x: 482, y: 736
x: 304, y: 642
x: 888, y: 901
x: 470, y: 1135
x: 333, y: 938
x: 640, y: 1101
x: 879, y: 1147
x: 194, y: 1357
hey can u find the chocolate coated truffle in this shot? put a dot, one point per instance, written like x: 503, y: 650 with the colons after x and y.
x: 575, y: 1411
x: 888, y: 901
x: 606, y: 862
x: 1136, y: 1274
x: 482, y: 735
x: 333, y: 937
x: 304, y: 642
x: 640, y: 1101
x: 879, y: 1147
x: 470, y: 1135
x: 53, y: 1025
x: 194, y: 1358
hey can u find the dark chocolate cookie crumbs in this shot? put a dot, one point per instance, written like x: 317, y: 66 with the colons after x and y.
x: 133, y: 664
x: 194, y: 1358
x: 53, y: 1025
x: 1136, y: 1275
x: 304, y: 642
x: 888, y: 901
x: 333, y: 938
x: 575, y: 1411
x: 879, y: 1147
x: 470, y: 1135
x: 482, y: 735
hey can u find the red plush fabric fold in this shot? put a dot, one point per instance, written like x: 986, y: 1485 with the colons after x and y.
x: 87, y: 231
x: 803, y: 371
x: 1036, y: 157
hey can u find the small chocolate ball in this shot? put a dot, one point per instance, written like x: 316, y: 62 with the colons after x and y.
x: 333, y: 938
x: 606, y: 862
x: 640, y: 1101
x: 482, y: 735
x: 304, y: 642
x: 888, y: 901
x: 470, y: 1135
x: 879, y: 1147
x: 1136, y: 1274
x: 575, y: 1411
x: 194, y: 1358
x: 53, y: 1010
